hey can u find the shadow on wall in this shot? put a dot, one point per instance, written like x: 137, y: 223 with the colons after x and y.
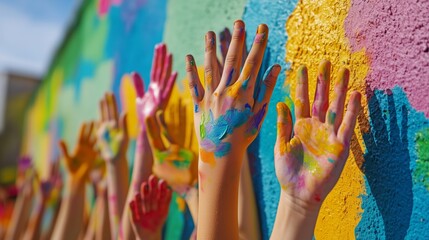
x: 386, y: 165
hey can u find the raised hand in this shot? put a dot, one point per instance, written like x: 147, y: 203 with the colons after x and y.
x: 173, y: 158
x: 160, y: 86
x: 80, y: 162
x: 113, y: 131
x: 309, y: 165
x: 149, y: 208
x: 226, y: 111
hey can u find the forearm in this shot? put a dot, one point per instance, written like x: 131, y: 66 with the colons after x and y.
x: 192, y: 202
x: 294, y: 221
x: 142, y: 169
x: 248, y: 220
x: 218, y: 198
x: 21, y: 213
x: 117, y: 187
x: 70, y: 219
x: 34, y: 225
x: 102, y: 230
x: 48, y: 233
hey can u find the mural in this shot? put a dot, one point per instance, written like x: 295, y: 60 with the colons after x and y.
x: 384, y: 189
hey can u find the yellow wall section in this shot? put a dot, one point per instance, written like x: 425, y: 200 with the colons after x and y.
x: 316, y: 32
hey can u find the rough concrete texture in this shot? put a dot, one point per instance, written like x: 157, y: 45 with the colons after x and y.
x: 395, y: 36
x: 384, y: 190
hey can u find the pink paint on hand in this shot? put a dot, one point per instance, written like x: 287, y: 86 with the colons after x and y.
x: 393, y: 34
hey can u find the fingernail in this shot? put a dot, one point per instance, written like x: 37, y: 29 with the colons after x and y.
x: 276, y: 70
x: 302, y: 72
x: 262, y: 28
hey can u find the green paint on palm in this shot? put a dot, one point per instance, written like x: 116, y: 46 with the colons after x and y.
x: 311, y: 164
x: 331, y: 117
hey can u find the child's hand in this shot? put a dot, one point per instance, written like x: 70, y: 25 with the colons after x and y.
x: 160, y: 87
x: 80, y: 162
x: 309, y: 165
x: 230, y: 108
x: 173, y: 158
x: 149, y: 208
x: 113, y: 131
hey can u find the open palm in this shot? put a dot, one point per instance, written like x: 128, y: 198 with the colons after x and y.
x: 309, y: 165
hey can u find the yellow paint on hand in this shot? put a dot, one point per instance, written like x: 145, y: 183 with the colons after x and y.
x: 316, y: 32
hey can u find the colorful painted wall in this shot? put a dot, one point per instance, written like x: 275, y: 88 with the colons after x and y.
x: 384, y: 190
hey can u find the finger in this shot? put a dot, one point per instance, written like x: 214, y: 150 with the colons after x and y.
x: 169, y: 88
x: 225, y: 40
x: 336, y: 108
x: 155, y: 63
x: 166, y: 72
x: 266, y: 89
x: 64, y: 149
x: 253, y: 62
x: 284, y: 126
x: 123, y: 124
x: 232, y: 65
x: 264, y: 95
x: 348, y: 125
x: 197, y: 90
x: 82, y: 131
x: 161, y: 121
x: 302, y: 103
x: 103, y: 113
x: 113, y: 108
x: 139, y: 205
x: 89, y: 132
x: 211, y: 67
x: 321, y: 97
x: 162, y: 51
x: 144, y: 191
x: 133, y: 210
x: 154, y: 136
x: 153, y: 189
x: 138, y: 84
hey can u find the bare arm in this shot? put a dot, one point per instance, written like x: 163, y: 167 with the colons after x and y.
x: 154, y: 99
x: 21, y: 213
x: 248, y: 218
x: 71, y: 215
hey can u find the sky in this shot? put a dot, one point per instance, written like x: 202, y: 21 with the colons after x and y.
x: 30, y: 31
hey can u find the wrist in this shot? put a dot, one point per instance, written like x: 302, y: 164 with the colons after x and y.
x: 295, y: 219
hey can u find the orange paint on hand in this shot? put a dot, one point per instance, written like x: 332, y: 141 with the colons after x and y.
x: 207, y: 157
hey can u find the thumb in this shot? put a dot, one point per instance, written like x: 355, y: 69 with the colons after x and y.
x: 64, y: 150
x: 284, y: 123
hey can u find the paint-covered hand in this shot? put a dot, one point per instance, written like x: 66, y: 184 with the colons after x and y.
x: 230, y: 108
x: 160, y: 86
x: 80, y: 163
x: 174, y: 160
x: 309, y: 165
x: 149, y: 208
x: 112, y: 134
